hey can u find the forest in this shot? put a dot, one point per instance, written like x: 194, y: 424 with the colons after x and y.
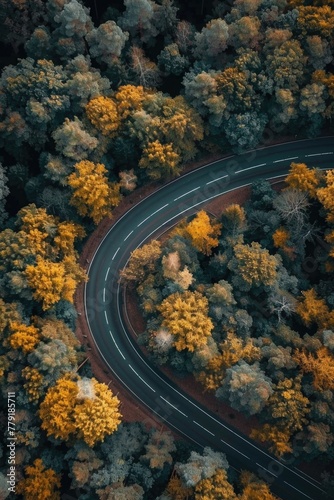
x: 98, y: 99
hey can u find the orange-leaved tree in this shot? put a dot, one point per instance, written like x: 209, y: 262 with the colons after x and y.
x: 40, y: 483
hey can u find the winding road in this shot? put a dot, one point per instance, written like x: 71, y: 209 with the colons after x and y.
x: 105, y: 311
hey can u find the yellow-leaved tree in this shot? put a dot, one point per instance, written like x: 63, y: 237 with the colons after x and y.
x: 313, y: 309
x: 160, y: 160
x: 303, y: 178
x: 130, y: 98
x: 278, y: 439
x: 203, y: 232
x: 103, y: 114
x: 186, y: 317
x: 216, y: 487
x: 93, y: 195
x: 24, y: 337
x: 142, y: 261
x: 320, y: 364
x: 288, y: 406
x: 79, y: 408
x: 255, y: 265
x: 254, y: 488
x: 326, y: 195
x: 53, y: 281
x: 39, y: 483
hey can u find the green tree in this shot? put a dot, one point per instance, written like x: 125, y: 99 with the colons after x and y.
x: 199, y: 467
x: 246, y: 387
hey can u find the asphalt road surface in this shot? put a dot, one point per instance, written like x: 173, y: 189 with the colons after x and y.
x: 105, y: 312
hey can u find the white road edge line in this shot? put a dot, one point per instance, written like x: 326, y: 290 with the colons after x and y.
x: 134, y: 371
x: 111, y: 335
x: 104, y: 294
x: 266, y: 469
x: 298, y: 490
x: 250, y: 168
x: 105, y: 313
x: 153, y: 213
x: 215, y: 180
x: 175, y: 408
x: 286, y: 159
x: 128, y: 236
x: 185, y: 194
x: 105, y: 279
x: 116, y: 253
x: 235, y: 449
x: 302, y: 472
x: 199, y: 425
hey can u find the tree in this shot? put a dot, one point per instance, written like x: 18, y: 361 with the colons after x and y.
x: 84, y: 82
x: 325, y: 195
x: 234, y: 220
x: 53, y: 281
x: 234, y: 87
x: 303, y: 178
x: 25, y: 118
x: 142, y: 261
x: 185, y: 32
x: 211, y: 42
x: 215, y: 488
x: 171, y: 61
x: 34, y: 383
x: 146, y: 71
x: 278, y: 439
x: 244, y: 131
x: 318, y: 439
x: 254, y: 264
x: 254, y: 488
x: 159, y: 449
x: 246, y: 387
x: 138, y: 19
x: 24, y: 337
x: 315, y: 20
x: 321, y: 366
x: 313, y: 309
x: 203, y: 233
x: 186, y: 317
x: 319, y: 52
x: 176, y: 490
x: 291, y: 204
x: 106, y: 42
x: 93, y: 195
x: 285, y: 64
x: 199, y: 467
x: 74, y: 19
x: 245, y: 32
x: 287, y: 406
x: 160, y: 160
x: 73, y: 141
x: 130, y: 98
x: 81, y: 409
x: 40, y: 483
x: 103, y: 114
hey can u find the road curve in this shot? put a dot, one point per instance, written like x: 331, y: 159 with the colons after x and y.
x: 105, y: 313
